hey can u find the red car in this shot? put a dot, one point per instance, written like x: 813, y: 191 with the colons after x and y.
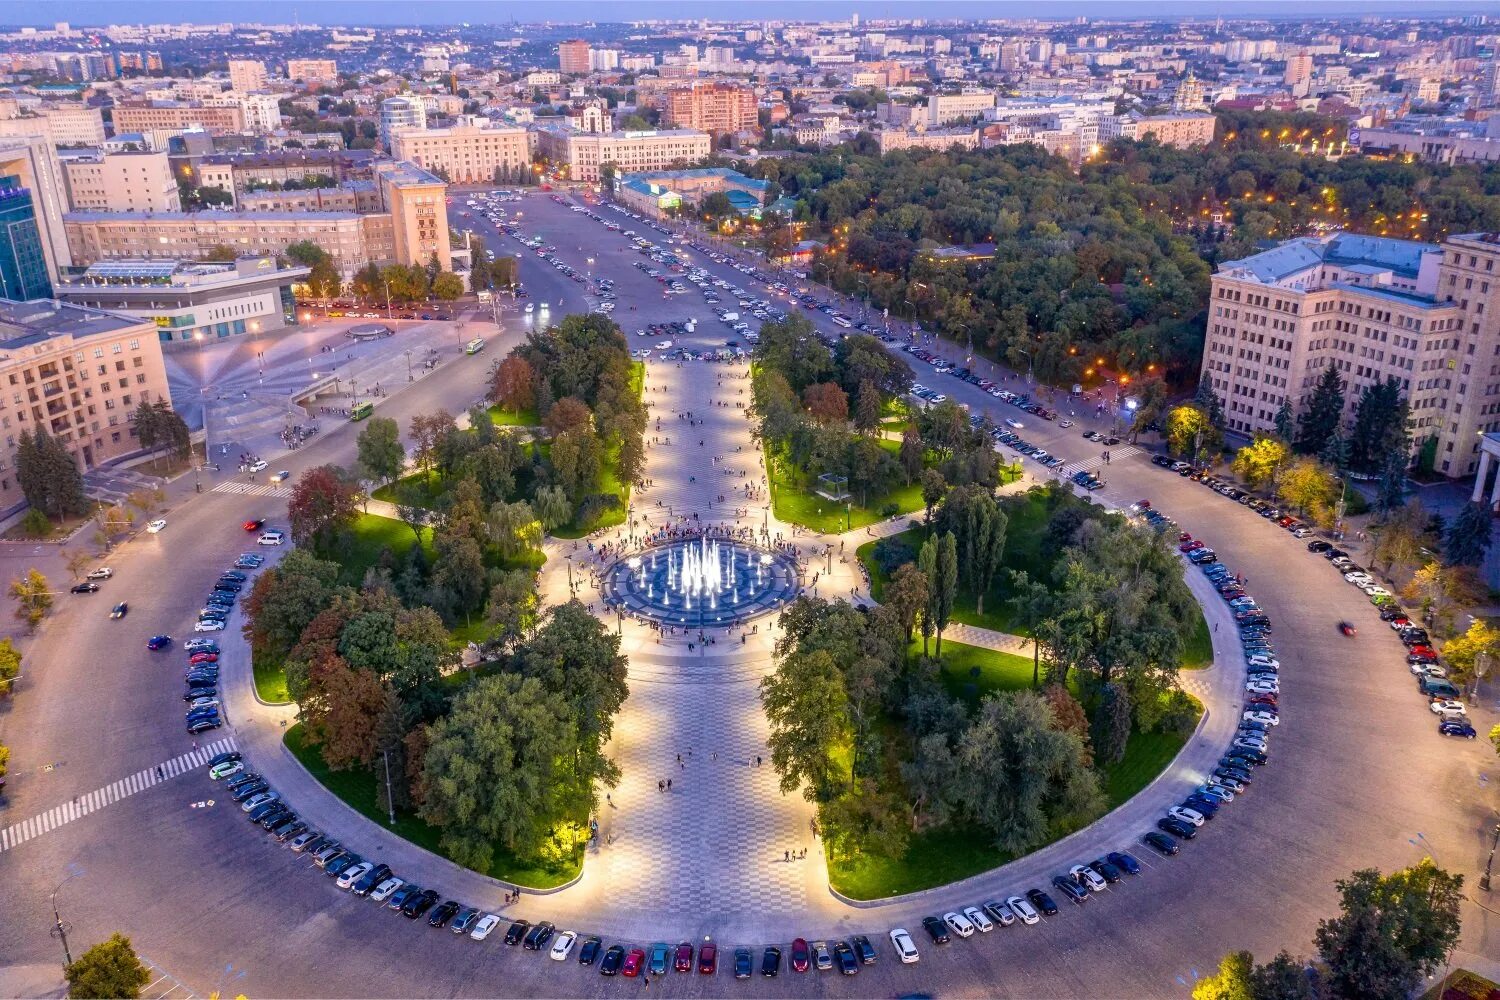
x: 800, y: 955
x: 683, y: 961
x: 1346, y: 628
x: 633, y: 963
x: 254, y: 524
x: 1426, y: 652
x: 203, y: 658
x: 708, y: 958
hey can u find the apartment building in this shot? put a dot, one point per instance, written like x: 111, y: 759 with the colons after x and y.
x: 33, y: 198
x: 238, y: 172
x: 311, y: 70
x: 63, y: 124
x: 350, y: 196
x: 467, y: 153
x: 1375, y: 308
x: 177, y: 116
x: 246, y: 75
x: 1183, y: 129
x: 573, y: 57
x: 893, y: 139
x: 398, y: 114
x: 417, y: 202
x: 715, y: 107
x: 121, y: 182
x: 581, y: 154
x: 77, y: 373
x: 945, y: 108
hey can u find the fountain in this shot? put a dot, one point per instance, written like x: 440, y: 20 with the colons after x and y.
x: 701, y: 581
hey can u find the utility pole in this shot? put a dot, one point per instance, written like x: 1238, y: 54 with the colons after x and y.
x: 1484, y: 880
x: 59, y: 929
x: 390, y: 799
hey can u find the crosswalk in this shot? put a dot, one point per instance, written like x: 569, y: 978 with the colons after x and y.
x: 253, y: 489
x: 1097, y: 462
x: 28, y: 829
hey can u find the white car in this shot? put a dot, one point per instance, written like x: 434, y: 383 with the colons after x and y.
x: 257, y: 800
x: 665, y: 345
x: 978, y: 919
x: 1429, y: 670
x: 1013, y: 422
x: 1263, y: 685
x: 259, y: 465
x: 1065, y: 424
x: 1264, y: 662
x: 1269, y: 718
x: 1377, y: 591
x: 386, y: 889
x: 353, y: 874
x: 1358, y: 578
x: 209, y: 625
x: 1090, y: 878
x: 271, y: 538
x: 1449, y: 708
x: 906, y: 948
x: 487, y: 923
x: 1023, y: 910
x: 1251, y: 743
x: 102, y: 573
x: 530, y: 308
x: 155, y: 526
x: 563, y: 945
x: 1187, y: 815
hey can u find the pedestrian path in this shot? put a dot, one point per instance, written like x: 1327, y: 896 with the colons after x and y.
x: 29, y: 829
x: 253, y: 489
x: 988, y: 638
x: 1097, y: 462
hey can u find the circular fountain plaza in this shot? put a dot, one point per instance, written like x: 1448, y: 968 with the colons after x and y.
x: 701, y: 582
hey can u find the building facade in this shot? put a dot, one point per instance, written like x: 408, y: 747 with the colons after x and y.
x: 581, y: 154
x: 467, y: 153
x: 191, y: 304
x: 398, y: 113
x: 418, y: 205
x: 1375, y: 308
x: 121, y: 182
x: 311, y: 70
x: 77, y: 373
x: 573, y: 57
x: 177, y: 116
x: 246, y: 75
x: 715, y: 107
x: 64, y: 124
x: 893, y: 139
x: 32, y: 202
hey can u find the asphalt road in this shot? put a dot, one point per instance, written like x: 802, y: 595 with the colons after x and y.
x: 1359, y: 776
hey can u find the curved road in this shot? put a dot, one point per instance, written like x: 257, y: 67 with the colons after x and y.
x: 1359, y: 778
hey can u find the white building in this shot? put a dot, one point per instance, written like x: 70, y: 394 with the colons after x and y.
x: 398, y: 113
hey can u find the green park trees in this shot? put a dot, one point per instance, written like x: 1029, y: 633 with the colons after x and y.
x: 48, y: 475
x: 107, y: 971
x: 381, y: 453
x: 159, y: 428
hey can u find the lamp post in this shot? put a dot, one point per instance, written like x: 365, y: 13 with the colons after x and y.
x: 390, y: 800
x: 409, y: 376
x: 570, y: 574
x: 1030, y: 378
x: 387, y: 285
x: 59, y: 929
x: 1484, y: 880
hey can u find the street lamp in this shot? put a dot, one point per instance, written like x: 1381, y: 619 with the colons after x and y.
x: 1484, y: 880
x: 59, y: 929
x: 409, y: 376
x: 387, y: 285
x: 1029, y: 377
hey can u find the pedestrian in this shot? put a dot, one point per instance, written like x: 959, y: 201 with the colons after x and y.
x: 661, y: 786
x: 786, y: 856
x: 669, y: 784
x: 757, y: 760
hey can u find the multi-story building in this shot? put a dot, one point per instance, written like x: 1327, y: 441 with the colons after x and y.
x: 892, y: 139
x: 655, y: 192
x: 573, y: 57
x: 311, y: 70
x: 945, y: 108
x: 177, y: 116
x: 1182, y: 129
x: 262, y: 112
x: 349, y: 196
x: 33, y: 244
x: 1298, y: 75
x: 1375, y: 308
x: 715, y: 107
x: 418, y: 205
x: 239, y: 172
x: 78, y: 374
x: 350, y: 238
x: 468, y: 153
x: 191, y: 303
x: 246, y: 75
x: 581, y: 154
x: 398, y: 113
x: 121, y: 182
x: 64, y: 124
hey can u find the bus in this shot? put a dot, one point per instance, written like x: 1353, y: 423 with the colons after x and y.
x: 361, y: 410
x: 474, y: 346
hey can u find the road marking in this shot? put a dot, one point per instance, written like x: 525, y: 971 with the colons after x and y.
x: 253, y: 489
x: 27, y: 829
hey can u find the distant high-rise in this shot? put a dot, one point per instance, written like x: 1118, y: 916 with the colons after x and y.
x: 1298, y: 74
x: 573, y: 56
x: 718, y: 108
x: 246, y: 75
x: 312, y: 70
x: 398, y: 113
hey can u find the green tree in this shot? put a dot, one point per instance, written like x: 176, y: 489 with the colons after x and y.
x: 1260, y: 460
x: 1392, y: 932
x: 10, y: 665
x: 496, y: 768
x: 911, y: 456
x: 381, y: 454
x: 1468, y: 536
x: 323, y: 280
x: 553, y: 508
x: 1463, y: 653
x: 1392, y: 491
x: 285, y: 599
x: 221, y: 254
x: 944, y: 583
x: 1309, y: 487
x: 808, y: 710
x: 1379, y: 430
x: 33, y: 596
x: 48, y: 475
x: 107, y: 971
x: 1189, y: 429
x: 1286, y: 426
x: 322, y: 507
x: 1321, y: 420
x: 1231, y: 982
x: 447, y: 286
x: 933, y: 488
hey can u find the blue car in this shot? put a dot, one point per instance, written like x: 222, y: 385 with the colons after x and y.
x: 1124, y: 861
x: 1456, y: 727
x: 159, y: 642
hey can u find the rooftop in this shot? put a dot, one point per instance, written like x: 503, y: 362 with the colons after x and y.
x: 211, y: 215
x: 406, y: 172
x: 1351, y: 250
x: 25, y: 323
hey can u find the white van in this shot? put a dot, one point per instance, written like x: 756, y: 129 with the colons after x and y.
x: 730, y: 317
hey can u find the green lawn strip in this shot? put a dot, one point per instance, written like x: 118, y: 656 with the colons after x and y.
x: 514, y: 418
x: 360, y: 791
x: 430, y: 483
x: 270, y: 682
x: 372, y: 534
x: 1198, y: 653
x: 939, y: 857
x: 796, y: 505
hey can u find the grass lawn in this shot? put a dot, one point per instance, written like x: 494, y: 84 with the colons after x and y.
x: 372, y: 534
x: 514, y: 418
x: 1198, y: 653
x: 430, y: 483
x: 360, y: 791
x: 996, y: 670
x: 798, y: 505
x: 270, y: 682
x: 56, y: 528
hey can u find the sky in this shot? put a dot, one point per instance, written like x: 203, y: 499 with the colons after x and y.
x: 373, y: 12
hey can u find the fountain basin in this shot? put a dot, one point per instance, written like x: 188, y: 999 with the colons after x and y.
x: 701, y: 582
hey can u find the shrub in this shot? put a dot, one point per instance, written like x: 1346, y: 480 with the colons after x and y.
x: 35, y: 524
x: 595, y: 506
